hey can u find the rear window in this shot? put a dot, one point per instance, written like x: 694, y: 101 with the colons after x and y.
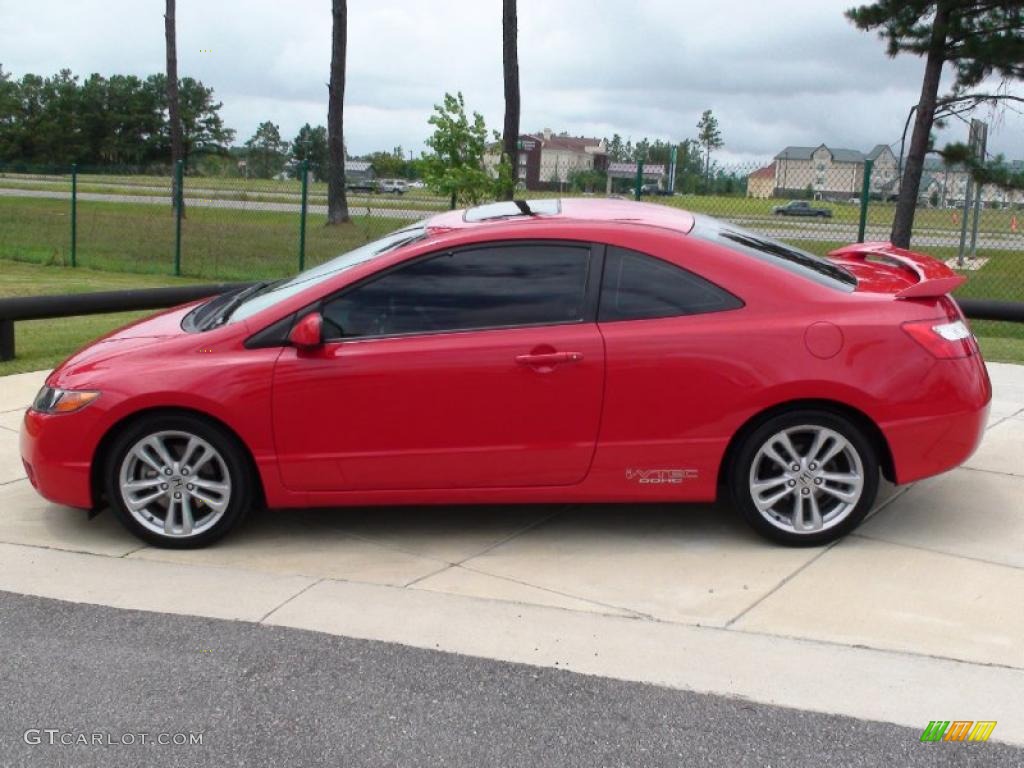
x: 640, y: 287
x: 789, y: 257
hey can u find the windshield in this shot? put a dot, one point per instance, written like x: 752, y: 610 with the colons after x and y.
x: 278, y: 292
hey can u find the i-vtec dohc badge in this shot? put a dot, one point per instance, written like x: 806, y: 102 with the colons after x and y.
x: 660, y: 476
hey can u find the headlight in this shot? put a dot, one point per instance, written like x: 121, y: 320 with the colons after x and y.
x: 52, y: 400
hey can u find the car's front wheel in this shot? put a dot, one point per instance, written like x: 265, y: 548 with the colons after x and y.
x: 178, y: 481
x: 805, y: 477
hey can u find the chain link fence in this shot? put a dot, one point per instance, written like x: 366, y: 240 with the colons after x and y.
x: 122, y: 219
x: 235, y: 228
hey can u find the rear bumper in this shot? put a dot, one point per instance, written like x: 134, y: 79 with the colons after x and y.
x: 923, y: 446
x: 56, y: 459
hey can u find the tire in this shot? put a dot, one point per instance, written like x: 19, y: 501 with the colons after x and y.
x: 833, y: 496
x: 148, y: 470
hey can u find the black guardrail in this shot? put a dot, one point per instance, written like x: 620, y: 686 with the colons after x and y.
x: 74, y: 304
x: 987, y: 309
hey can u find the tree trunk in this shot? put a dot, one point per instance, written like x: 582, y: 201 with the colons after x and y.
x: 173, y: 105
x: 511, y: 64
x: 337, y: 202
x: 910, y: 184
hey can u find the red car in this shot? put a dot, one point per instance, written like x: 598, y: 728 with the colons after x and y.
x: 570, y: 351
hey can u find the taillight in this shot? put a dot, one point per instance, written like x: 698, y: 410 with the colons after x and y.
x: 943, y: 338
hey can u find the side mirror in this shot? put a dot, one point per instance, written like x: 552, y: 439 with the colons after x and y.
x: 308, y: 332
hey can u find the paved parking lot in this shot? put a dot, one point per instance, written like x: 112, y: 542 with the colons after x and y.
x: 917, y: 616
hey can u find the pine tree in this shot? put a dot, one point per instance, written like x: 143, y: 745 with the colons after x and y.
x: 978, y: 37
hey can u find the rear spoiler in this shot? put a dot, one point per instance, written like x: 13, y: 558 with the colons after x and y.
x: 933, y: 277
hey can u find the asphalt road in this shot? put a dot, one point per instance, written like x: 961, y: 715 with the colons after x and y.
x: 270, y: 696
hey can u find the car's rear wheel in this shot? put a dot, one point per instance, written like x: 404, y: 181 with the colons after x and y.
x: 805, y: 477
x: 178, y: 481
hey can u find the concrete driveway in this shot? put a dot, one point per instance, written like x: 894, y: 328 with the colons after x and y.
x: 917, y: 616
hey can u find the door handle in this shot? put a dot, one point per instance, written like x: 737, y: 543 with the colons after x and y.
x: 547, y: 359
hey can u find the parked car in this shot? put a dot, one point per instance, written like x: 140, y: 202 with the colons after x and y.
x: 392, y: 186
x: 545, y: 351
x: 800, y: 208
x: 361, y: 185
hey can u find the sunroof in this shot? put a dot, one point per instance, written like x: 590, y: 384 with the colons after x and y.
x: 511, y: 208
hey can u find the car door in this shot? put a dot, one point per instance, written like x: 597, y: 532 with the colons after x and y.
x: 480, y: 367
x: 670, y: 376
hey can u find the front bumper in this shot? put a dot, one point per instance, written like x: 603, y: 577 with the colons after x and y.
x: 57, y: 456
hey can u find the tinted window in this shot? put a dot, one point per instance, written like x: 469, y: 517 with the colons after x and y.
x: 636, y: 286
x: 285, y: 289
x: 783, y: 255
x: 481, y: 288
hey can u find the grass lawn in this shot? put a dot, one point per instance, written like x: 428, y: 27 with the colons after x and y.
x: 221, y: 244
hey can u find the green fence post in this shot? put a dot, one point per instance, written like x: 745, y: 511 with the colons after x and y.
x: 304, y: 170
x: 179, y: 199
x: 639, y: 178
x: 865, y: 194
x: 74, y: 214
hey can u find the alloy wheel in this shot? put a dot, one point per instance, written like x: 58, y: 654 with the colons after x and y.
x: 175, y: 483
x: 806, y: 479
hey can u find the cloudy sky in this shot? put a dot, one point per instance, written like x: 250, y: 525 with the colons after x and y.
x: 775, y: 73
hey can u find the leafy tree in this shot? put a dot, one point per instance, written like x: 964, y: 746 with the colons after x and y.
x: 615, y: 150
x: 266, y: 152
x: 9, y: 105
x: 125, y: 119
x: 709, y: 137
x: 121, y: 120
x: 310, y: 144
x: 202, y: 127
x: 389, y: 164
x: 455, y: 167
x: 587, y: 181
x: 337, y: 200
x: 640, y: 150
x: 978, y: 37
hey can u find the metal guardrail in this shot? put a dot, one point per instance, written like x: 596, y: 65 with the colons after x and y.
x: 988, y: 309
x: 75, y: 304
x: 72, y: 305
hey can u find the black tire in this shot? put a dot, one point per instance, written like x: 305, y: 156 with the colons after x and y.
x: 740, y: 479
x: 232, y: 460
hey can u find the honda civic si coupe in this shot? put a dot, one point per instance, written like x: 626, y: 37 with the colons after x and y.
x: 547, y: 351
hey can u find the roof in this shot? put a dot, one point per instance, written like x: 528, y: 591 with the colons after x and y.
x: 358, y: 165
x: 570, y: 143
x: 577, y: 209
x: 768, y: 172
x: 877, y: 150
x: 652, y: 170
x: 804, y: 153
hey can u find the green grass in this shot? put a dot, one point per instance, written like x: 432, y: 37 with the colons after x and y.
x: 221, y: 244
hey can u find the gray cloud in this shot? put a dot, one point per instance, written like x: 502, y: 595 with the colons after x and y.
x: 775, y: 73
